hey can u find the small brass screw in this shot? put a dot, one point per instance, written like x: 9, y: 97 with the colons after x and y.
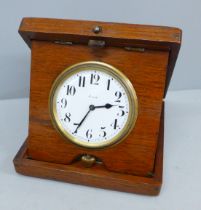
x: 97, y: 29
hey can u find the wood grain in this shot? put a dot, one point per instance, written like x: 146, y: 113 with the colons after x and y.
x: 58, y: 29
x: 146, y: 71
x: 114, y: 34
x: 98, y: 177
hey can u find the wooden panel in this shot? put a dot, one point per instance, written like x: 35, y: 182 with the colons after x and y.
x: 147, y: 72
x: 54, y: 29
x: 114, y: 34
x: 96, y: 176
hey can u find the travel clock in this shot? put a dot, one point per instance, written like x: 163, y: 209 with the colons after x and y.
x: 93, y: 105
x: 96, y: 114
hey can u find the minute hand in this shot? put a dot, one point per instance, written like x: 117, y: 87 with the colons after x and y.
x: 82, y: 121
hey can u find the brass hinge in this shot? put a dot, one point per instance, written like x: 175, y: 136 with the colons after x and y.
x: 99, y: 43
x: 96, y: 43
x: 138, y: 49
x: 63, y: 42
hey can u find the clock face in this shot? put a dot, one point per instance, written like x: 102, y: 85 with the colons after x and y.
x: 93, y: 104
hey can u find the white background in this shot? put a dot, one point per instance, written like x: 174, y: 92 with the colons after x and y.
x: 181, y: 187
x: 15, y: 55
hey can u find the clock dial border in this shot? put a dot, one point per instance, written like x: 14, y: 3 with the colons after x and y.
x: 108, y: 69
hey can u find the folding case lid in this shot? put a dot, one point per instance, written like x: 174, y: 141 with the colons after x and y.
x: 114, y: 34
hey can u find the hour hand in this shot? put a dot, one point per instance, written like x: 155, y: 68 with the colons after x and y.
x: 107, y: 106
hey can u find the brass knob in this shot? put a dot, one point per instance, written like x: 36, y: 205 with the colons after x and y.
x: 88, y: 160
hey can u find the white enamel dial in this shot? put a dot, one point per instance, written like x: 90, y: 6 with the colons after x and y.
x: 91, y: 106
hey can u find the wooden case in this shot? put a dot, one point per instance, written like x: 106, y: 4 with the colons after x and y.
x: 145, y: 54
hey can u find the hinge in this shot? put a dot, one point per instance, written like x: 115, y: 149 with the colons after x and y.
x: 138, y: 49
x: 63, y: 42
x: 96, y: 43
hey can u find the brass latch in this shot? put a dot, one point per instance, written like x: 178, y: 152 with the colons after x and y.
x: 88, y: 160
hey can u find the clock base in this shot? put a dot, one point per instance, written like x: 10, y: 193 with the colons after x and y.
x: 96, y: 176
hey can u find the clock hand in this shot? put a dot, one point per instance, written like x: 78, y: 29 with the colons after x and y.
x: 107, y: 106
x: 91, y: 107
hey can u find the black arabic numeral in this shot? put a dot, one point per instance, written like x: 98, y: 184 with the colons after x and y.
x: 63, y: 103
x: 67, y: 117
x: 108, y: 84
x: 121, y: 113
x: 70, y: 90
x: 118, y: 94
x: 103, y: 132
x: 89, y: 133
x: 81, y: 81
x: 94, y: 79
x: 114, y: 125
x: 121, y: 107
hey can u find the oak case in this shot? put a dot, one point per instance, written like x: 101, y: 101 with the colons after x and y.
x: 145, y: 54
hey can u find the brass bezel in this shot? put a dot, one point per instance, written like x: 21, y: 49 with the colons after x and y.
x: 117, y: 74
